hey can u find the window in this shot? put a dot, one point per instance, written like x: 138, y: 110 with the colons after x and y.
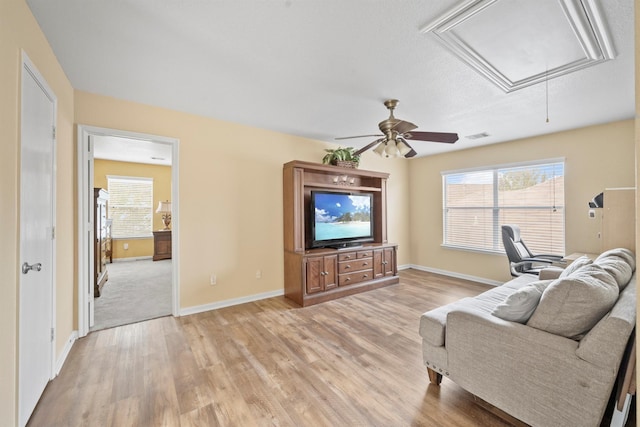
x: 477, y: 202
x: 130, y: 206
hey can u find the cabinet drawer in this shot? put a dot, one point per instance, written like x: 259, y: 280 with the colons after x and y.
x: 355, y: 265
x: 357, y: 277
x: 347, y: 256
x: 364, y: 254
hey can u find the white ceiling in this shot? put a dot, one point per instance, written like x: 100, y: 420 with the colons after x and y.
x: 131, y: 150
x: 322, y: 68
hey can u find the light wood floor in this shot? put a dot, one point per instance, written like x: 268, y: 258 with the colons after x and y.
x: 356, y: 361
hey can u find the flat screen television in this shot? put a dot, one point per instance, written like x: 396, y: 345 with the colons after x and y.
x: 341, y: 219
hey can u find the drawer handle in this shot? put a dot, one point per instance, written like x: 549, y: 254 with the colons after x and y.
x: 365, y: 276
x: 347, y: 279
x: 347, y: 266
x: 365, y: 263
x: 347, y: 257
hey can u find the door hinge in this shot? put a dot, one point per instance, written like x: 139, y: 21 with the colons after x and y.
x: 53, y: 132
x: 52, y: 334
x: 53, y: 233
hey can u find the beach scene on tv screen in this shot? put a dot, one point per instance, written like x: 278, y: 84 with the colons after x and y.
x: 342, y: 216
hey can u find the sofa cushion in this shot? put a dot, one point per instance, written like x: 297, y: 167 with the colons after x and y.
x: 575, y: 265
x: 572, y: 305
x: 433, y: 323
x: 520, y: 305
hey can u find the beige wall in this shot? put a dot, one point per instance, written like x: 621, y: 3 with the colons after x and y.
x: 19, y: 30
x: 637, y: 161
x: 231, y: 195
x: 161, y: 191
x: 596, y: 158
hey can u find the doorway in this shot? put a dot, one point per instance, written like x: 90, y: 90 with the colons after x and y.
x: 94, y: 146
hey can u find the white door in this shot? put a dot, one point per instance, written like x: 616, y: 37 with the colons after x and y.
x: 36, y: 267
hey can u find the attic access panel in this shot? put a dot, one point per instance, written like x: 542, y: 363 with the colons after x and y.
x: 518, y: 43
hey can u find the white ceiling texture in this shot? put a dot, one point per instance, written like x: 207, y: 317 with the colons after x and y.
x: 322, y: 68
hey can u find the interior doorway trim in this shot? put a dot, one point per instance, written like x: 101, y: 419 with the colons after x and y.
x: 85, y: 221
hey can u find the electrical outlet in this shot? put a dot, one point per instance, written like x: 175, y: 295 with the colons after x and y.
x: 213, y: 280
x: 258, y: 274
x: 125, y: 246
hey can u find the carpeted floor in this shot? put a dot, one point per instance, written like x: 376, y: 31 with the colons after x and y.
x: 135, y: 291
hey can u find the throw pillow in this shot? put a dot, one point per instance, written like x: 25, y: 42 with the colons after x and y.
x: 623, y: 253
x: 576, y: 265
x: 618, y: 268
x: 572, y: 305
x: 520, y: 305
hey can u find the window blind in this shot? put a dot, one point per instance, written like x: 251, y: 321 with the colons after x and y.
x: 130, y: 206
x: 476, y: 204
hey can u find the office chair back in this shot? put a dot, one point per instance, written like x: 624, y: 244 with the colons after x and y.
x: 521, y: 259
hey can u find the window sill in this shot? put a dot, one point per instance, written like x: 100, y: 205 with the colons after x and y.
x: 133, y: 237
x: 474, y: 250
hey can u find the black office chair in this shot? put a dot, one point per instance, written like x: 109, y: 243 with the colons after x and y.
x: 521, y: 260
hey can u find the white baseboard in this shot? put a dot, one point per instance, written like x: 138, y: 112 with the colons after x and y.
x: 230, y: 302
x: 257, y: 297
x: 65, y: 351
x: 457, y: 275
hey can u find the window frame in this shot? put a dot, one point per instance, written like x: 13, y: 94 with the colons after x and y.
x: 496, y: 208
x: 136, y: 179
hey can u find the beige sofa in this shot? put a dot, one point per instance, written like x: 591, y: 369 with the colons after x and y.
x: 555, y: 360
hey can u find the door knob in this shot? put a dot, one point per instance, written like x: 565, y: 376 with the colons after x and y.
x: 26, y: 267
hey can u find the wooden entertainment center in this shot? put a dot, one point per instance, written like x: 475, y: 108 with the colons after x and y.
x: 316, y: 275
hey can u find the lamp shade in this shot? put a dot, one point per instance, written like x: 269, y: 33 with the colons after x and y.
x: 164, y: 207
x: 379, y: 150
x: 403, y: 148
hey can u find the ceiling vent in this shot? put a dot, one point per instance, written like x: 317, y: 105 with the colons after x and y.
x: 518, y: 43
x: 477, y: 135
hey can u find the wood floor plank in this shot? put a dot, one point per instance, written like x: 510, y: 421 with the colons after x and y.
x: 352, y: 361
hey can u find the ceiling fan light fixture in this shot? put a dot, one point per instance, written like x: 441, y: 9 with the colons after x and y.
x: 391, y: 150
x: 403, y: 148
x: 395, y: 134
x: 379, y: 150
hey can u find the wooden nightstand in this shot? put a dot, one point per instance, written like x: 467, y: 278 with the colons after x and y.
x: 161, y: 245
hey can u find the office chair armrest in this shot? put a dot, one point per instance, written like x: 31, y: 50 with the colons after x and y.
x: 549, y: 256
x: 536, y: 259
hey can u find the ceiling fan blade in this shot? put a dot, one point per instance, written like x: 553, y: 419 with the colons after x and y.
x: 432, y: 136
x: 366, y: 147
x: 402, y: 127
x: 410, y: 154
x: 358, y: 136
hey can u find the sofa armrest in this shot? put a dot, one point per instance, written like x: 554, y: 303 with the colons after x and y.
x: 550, y: 273
x: 531, y: 374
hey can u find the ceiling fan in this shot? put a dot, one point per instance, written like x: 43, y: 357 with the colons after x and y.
x: 396, y: 132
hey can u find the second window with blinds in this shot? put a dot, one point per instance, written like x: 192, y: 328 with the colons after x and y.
x: 477, y: 202
x: 130, y: 206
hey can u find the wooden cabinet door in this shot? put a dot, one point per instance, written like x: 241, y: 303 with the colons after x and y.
x: 378, y: 266
x: 330, y: 272
x: 315, y: 276
x: 389, y: 262
x: 322, y: 273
